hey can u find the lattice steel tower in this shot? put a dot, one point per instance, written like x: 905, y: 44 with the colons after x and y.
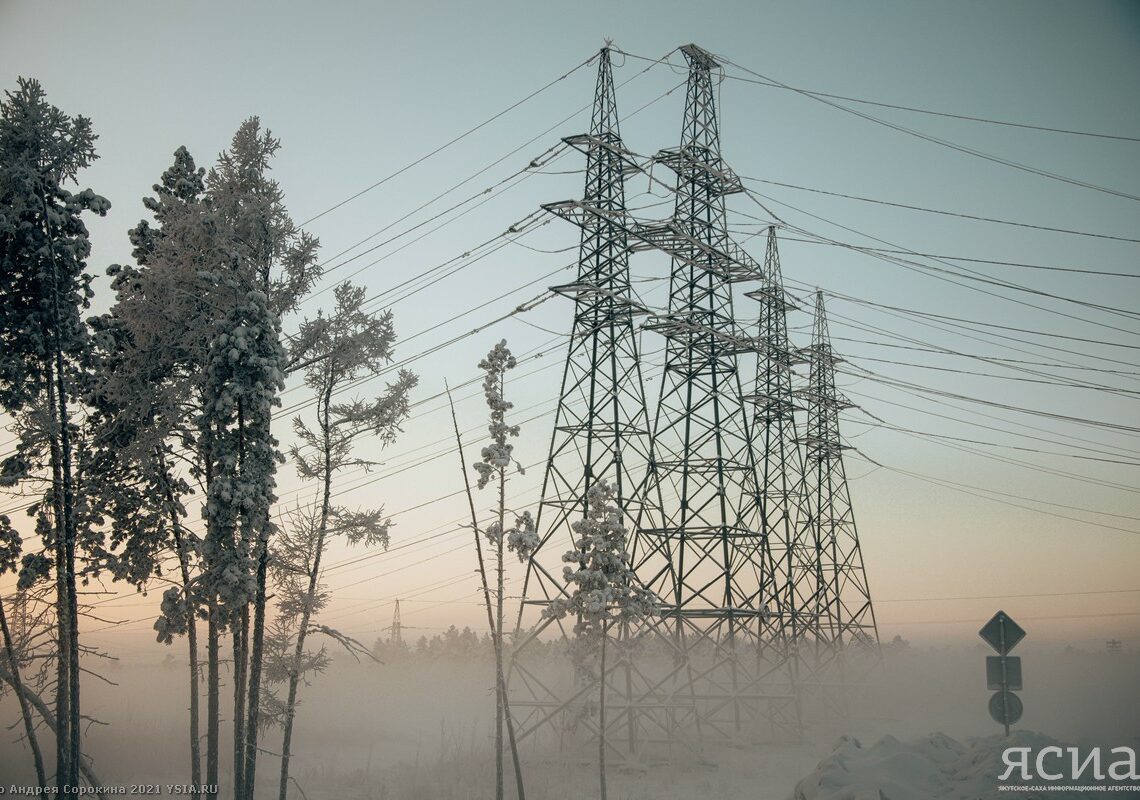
x: 601, y: 431
x: 780, y: 463
x: 396, y: 632
x: 707, y: 555
x: 843, y: 603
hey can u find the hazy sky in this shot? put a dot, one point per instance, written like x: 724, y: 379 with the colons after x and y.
x: 1033, y: 513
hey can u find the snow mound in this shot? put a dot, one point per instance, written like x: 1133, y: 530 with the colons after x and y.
x: 935, y: 767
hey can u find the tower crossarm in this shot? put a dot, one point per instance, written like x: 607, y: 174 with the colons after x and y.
x: 713, y: 174
x: 589, y: 144
x: 585, y: 291
x: 698, y: 336
x: 819, y: 354
x: 777, y: 298
x: 821, y: 449
x: 730, y: 262
x: 772, y: 406
x: 833, y: 400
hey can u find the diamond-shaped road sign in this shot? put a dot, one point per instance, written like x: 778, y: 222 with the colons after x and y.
x: 1002, y: 633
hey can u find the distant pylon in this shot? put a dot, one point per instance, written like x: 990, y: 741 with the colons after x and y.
x: 706, y: 553
x: 21, y: 627
x: 843, y: 602
x: 396, y: 633
x: 601, y: 431
x: 780, y: 463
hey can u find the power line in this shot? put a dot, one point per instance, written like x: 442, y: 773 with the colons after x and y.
x: 995, y: 262
x: 1088, y: 421
x: 1067, y: 384
x: 1067, y: 507
x: 941, y: 211
x: 944, y: 142
x: 1006, y: 596
x: 998, y: 360
x: 925, y: 434
x: 486, y: 193
x: 947, y: 484
x: 1035, y: 467
x: 447, y: 144
x: 530, y: 169
x: 940, y: 273
x: 968, y: 322
x: 974, y: 621
x: 980, y: 336
x: 913, y: 109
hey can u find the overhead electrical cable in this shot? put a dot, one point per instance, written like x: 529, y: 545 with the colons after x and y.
x: 941, y: 211
x: 913, y: 109
x: 450, y: 142
x: 943, y: 142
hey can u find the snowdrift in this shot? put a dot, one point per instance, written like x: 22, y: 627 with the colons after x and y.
x: 935, y: 767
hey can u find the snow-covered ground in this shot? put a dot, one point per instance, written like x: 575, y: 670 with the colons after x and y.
x: 937, y: 767
x: 422, y: 730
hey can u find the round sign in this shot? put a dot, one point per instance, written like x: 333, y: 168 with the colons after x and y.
x: 1005, y: 708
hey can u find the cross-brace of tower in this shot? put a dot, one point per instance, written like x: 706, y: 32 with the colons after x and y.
x: 601, y: 432
x: 846, y: 617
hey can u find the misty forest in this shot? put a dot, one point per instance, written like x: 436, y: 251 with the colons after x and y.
x: 684, y: 611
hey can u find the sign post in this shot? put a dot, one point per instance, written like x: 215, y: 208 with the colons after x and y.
x: 1003, y: 671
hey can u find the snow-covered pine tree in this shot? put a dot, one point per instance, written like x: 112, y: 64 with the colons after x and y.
x: 337, y: 351
x: 145, y: 396
x: 603, y: 589
x: 521, y: 538
x: 259, y: 268
x: 44, y: 343
x: 199, y: 322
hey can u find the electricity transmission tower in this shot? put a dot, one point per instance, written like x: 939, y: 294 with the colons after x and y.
x: 601, y: 431
x: 741, y: 527
x: 396, y: 633
x: 708, y: 555
x: 780, y: 463
x: 843, y: 601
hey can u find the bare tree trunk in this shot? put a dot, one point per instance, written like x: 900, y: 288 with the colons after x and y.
x: 191, y: 623
x: 500, y: 681
x: 256, y: 653
x: 25, y: 712
x: 49, y: 719
x: 311, y: 594
x: 602, y: 716
x: 213, y: 716
x: 240, y: 640
x: 213, y: 667
x: 500, y: 687
x: 195, y: 701
x: 62, y: 725
x: 62, y: 676
x: 240, y: 633
x: 511, y: 738
x: 69, y: 646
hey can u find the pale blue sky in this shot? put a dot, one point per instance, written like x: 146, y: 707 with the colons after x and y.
x: 358, y: 91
